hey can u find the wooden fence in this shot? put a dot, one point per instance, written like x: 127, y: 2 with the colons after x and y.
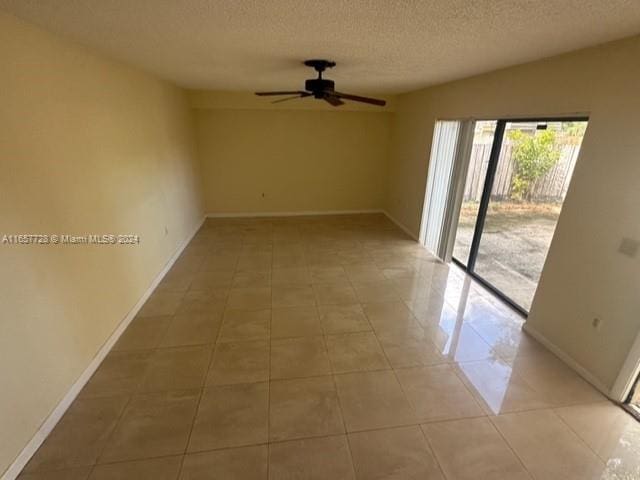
x: 552, y: 187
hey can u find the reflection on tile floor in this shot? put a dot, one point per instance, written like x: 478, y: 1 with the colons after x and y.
x: 330, y: 348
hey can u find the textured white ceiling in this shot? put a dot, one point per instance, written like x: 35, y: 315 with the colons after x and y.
x: 385, y: 46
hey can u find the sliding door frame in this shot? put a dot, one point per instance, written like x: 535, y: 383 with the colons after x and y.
x: 454, y: 200
x: 447, y: 210
x: 494, y: 157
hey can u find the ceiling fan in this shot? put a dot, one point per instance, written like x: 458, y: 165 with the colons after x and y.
x: 322, y: 88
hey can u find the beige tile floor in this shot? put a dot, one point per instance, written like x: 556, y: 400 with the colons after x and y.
x: 331, y: 348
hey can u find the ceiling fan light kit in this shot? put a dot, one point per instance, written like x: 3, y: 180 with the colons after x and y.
x: 322, y: 89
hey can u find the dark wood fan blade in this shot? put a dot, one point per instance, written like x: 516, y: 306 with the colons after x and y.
x: 335, y: 101
x: 302, y: 95
x: 357, y: 98
x: 264, y: 94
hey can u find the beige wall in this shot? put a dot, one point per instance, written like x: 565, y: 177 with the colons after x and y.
x: 91, y: 146
x: 302, y: 156
x: 86, y: 146
x: 584, y: 275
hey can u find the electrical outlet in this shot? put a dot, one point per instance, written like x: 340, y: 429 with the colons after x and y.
x: 629, y: 247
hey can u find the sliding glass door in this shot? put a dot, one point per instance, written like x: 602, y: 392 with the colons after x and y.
x: 504, y: 232
x: 483, y: 136
x: 633, y: 402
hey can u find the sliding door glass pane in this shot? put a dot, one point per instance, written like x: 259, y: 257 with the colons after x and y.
x: 476, y: 175
x: 533, y: 173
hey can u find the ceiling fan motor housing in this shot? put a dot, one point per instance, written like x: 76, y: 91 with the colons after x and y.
x: 322, y: 88
x: 318, y: 86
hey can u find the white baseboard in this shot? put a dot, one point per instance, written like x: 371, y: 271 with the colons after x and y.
x: 50, y: 422
x: 291, y: 214
x: 558, y: 352
x: 401, y: 226
x: 313, y: 213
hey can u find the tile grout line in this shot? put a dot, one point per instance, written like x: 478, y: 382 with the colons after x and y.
x: 193, y: 422
x: 130, y: 396
x: 111, y: 434
x: 201, y: 394
x: 433, y: 452
x: 419, y: 426
x: 576, y: 434
x: 511, y: 447
x: 335, y: 386
x: 324, y: 335
x: 454, y: 368
x: 269, y: 378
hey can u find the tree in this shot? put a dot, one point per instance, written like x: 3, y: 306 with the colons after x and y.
x: 533, y: 156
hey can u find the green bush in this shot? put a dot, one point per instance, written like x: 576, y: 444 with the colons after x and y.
x: 533, y: 156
